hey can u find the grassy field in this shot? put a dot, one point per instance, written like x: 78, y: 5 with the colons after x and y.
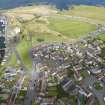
x: 23, y: 49
x: 102, y: 37
x: 70, y: 28
x: 91, y: 12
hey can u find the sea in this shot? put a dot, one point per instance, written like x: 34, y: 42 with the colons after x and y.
x: 60, y: 4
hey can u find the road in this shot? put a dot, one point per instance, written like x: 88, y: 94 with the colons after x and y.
x: 18, y: 86
x: 32, y: 88
x: 89, y: 81
x: 16, y: 89
x: 31, y: 93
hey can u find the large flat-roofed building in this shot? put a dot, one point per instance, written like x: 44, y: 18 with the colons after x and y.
x: 2, y: 37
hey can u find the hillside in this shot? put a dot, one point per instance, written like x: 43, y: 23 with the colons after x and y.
x: 44, y: 24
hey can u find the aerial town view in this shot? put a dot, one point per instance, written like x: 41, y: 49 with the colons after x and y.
x: 52, y: 52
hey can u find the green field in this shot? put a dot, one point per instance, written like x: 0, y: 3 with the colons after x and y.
x: 102, y: 37
x: 23, y: 49
x: 91, y: 12
x: 70, y: 28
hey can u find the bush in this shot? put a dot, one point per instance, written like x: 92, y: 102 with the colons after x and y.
x: 40, y: 40
x: 97, y: 85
